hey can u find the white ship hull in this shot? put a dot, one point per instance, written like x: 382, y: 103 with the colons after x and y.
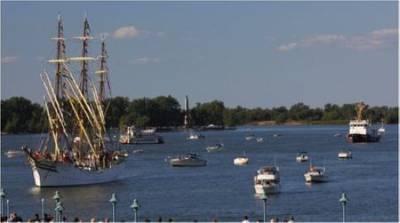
x: 241, y: 161
x: 314, y: 178
x: 69, y: 175
x: 272, y: 188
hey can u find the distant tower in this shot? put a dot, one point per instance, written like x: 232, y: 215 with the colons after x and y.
x: 187, y: 113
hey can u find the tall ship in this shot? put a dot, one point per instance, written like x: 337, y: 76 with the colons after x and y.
x: 360, y: 130
x: 75, y: 151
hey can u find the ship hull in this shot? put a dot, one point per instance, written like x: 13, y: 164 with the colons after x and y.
x: 187, y: 163
x: 272, y: 188
x: 69, y: 175
x: 359, y: 138
x: 315, y: 178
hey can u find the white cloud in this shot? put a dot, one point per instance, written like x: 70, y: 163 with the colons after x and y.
x: 323, y: 39
x: 146, y: 60
x: 373, y: 40
x: 383, y: 33
x: 9, y: 59
x: 126, y: 32
x: 287, y: 47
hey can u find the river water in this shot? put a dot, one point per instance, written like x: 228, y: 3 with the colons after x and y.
x: 221, y: 190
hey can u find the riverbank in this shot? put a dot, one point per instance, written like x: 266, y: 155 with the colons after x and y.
x: 303, y: 122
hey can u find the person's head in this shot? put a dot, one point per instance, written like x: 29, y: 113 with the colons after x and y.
x: 76, y: 219
x: 159, y: 219
x: 246, y: 218
x: 93, y: 220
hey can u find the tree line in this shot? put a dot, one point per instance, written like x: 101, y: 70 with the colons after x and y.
x: 20, y: 115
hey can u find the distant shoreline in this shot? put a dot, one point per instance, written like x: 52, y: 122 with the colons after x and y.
x: 295, y: 123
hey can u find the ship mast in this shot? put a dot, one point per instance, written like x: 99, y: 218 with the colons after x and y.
x: 103, y: 73
x: 56, y: 94
x: 60, y: 58
x: 84, y: 63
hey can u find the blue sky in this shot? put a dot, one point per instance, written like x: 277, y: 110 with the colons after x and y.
x: 244, y: 53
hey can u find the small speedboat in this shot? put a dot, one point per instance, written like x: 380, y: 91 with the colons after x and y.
x: 345, y: 155
x: 259, y: 139
x: 337, y: 135
x: 215, y: 148
x: 315, y: 174
x: 250, y: 137
x: 189, y: 160
x: 277, y: 135
x: 302, y: 157
x: 137, y: 151
x: 241, y: 160
x: 14, y: 153
x: 195, y: 136
x: 267, y: 180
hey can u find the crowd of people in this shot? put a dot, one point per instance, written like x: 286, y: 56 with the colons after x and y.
x: 14, y: 217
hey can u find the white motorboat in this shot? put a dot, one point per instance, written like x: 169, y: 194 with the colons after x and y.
x: 338, y: 135
x: 250, y: 137
x: 14, y: 153
x: 241, y: 161
x: 276, y: 135
x: 195, y: 136
x: 267, y: 180
x: 189, y: 160
x: 133, y: 135
x: 302, y: 157
x: 259, y: 139
x: 215, y: 148
x: 315, y: 174
x: 345, y: 155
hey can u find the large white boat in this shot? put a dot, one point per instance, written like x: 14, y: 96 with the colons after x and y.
x: 188, y: 160
x: 133, y: 135
x: 75, y: 151
x: 315, y: 174
x: 360, y: 130
x: 267, y: 180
